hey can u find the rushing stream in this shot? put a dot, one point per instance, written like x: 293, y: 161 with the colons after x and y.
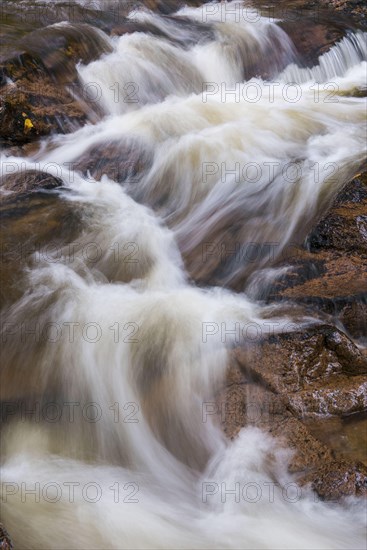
x: 121, y: 450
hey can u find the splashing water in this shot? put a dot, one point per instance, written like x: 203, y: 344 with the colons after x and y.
x: 135, y: 460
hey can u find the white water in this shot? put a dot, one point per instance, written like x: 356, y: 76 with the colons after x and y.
x: 162, y: 369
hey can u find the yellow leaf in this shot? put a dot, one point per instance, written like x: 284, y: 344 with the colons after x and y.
x: 28, y: 124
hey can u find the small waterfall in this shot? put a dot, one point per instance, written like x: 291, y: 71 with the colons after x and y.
x: 116, y: 351
x: 343, y: 57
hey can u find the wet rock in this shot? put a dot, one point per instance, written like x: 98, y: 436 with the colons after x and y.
x: 170, y: 6
x: 5, y: 541
x: 346, y: 436
x: 338, y: 479
x: 344, y: 228
x: 18, y: 19
x: 28, y: 181
x: 350, y: 12
x: 245, y: 402
x: 355, y: 9
x: 194, y: 31
x: 61, y: 47
x: 330, y: 273
x: 318, y: 371
x: 122, y: 161
x: 354, y: 318
x: 312, y: 39
x: 40, y: 93
x: 34, y: 226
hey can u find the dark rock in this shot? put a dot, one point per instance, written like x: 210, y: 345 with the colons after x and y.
x: 354, y: 318
x: 25, y: 182
x: 40, y: 93
x: 167, y: 7
x: 131, y: 26
x: 331, y: 276
x: 195, y: 31
x: 350, y: 12
x: 122, y: 161
x: 356, y: 9
x: 60, y: 48
x: 344, y: 227
x: 38, y: 223
x: 312, y: 39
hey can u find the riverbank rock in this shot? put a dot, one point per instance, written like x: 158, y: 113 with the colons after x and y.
x: 313, y: 38
x: 329, y: 274
x: 356, y: 9
x: 350, y: 11
x: 40, y: 92
x: 318, y: 371
x: 247, y: 400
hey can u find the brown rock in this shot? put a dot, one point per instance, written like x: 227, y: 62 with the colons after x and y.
x: 39, y: 85
x: 318, y: 371
x: 332, y: 275
x: 352, y: 12
x: 119, y: 160
x: 338, y: 479
x: 25, y: 182
x: 244, y: 402
x: 344, y: 227
x: 60, y: 48
x: 313, y: 38
x: 32, y: 223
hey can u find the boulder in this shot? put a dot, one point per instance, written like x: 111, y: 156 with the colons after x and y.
x: 34, y: 222
x: 318, y: 371
x: 40, y: 92
x: 28, y: 181
x: 120, y: 160
x: 246, y: 402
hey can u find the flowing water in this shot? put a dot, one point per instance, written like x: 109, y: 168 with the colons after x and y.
x: 121, y: 449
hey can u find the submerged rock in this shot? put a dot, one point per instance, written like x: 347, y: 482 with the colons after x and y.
x: 36, y: 223
x: 122, y: 161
